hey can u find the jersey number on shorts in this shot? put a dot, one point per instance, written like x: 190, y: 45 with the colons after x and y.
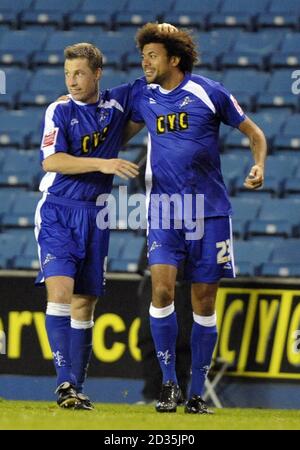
x: 223, y: 254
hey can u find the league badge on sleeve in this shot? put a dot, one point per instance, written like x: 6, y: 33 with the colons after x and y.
x: 49, y: 138
x: 237, y: 106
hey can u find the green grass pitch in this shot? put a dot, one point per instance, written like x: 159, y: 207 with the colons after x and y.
x: 16, y: 415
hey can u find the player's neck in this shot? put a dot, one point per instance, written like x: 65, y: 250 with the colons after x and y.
x: 94, y: 98
x: 173, y: 81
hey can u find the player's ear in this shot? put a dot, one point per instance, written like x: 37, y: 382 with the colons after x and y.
x: 175, y: 60
x: 98, y: 74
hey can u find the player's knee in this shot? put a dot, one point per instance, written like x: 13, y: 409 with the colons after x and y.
x: 59, y: 294
x: 163, y: 295
x: 83, y: 308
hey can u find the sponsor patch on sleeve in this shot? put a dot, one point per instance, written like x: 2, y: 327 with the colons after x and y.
x: 236, y: 105
x: 49, y: 139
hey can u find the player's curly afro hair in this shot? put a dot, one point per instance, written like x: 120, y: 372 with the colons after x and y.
x: 179, y: 43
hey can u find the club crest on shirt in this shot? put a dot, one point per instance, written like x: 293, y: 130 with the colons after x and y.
x: 74, y: 122
x: 103, y: 115
x: 185, y: 101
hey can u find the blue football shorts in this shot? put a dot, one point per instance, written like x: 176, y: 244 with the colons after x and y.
x: 206, y: 260
x: 70, y: 243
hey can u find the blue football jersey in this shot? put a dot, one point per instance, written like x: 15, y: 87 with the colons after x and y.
x: 85, y: 130
x: 183, y: 149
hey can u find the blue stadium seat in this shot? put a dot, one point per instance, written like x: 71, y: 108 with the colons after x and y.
x: 213, y: 45
x: 238, y: 13
x: 249, y: 81
x: 130, y: 256
x: 20, y: 169
x: 45, y: 12
x: 290, y: 142
x: 245, y: 269
x: 284, y: 60
x: 278, y: 92
x: 3, y: 29
x: 53, y: 52
x: 245, y: 84
x: 233, y: 166
x: 15, y: 126
x: 240, y: 192
x: 252, y: 50
x: 29, y: 258
x: 272, y: 228
x: 192, y: 12
x: 252, y: 252
x: 9, y: 10
x: 134, y: 74
x: 280, y: 14
x: 244, y: 210
x: 212, y: 74
x: 270, y: 123
x: 111, y: 7
x: 291, y: 187
x: 286, y: 252
x: 47, y: 81
x: 93, y: 12
x: 7, y: 199
x: 289, y: 54
x: 116, y: 244
x: 114, y: 45
x: 280, y: 270
x: 281, y: 210
x: 120, y: 265
x: 282, y: 165
x: 17, y: 46
x: 291, y: 126
x: 16, y: 80
x: 139, y: 12
x: 35, y: 138
x: 10, y: 248
x: 23, y: 210
x: 126, y: 252
x: 112, y: 78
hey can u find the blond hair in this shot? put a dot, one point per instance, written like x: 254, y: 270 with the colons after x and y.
x: 85, y: 50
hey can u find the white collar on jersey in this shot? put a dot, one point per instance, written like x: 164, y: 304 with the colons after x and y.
x: 82, y: 103
x: 161, y: 89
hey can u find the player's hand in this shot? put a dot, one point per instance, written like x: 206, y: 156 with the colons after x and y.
x: 255, y: 179
x: 62, y: 98
x: 167, y: 28
x: 124, y: 169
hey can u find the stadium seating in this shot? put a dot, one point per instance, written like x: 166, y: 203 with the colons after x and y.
x: 191, y: 13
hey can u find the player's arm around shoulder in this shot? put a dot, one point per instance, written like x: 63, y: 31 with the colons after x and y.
x: 73, y: 165
x: 258, y: 145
